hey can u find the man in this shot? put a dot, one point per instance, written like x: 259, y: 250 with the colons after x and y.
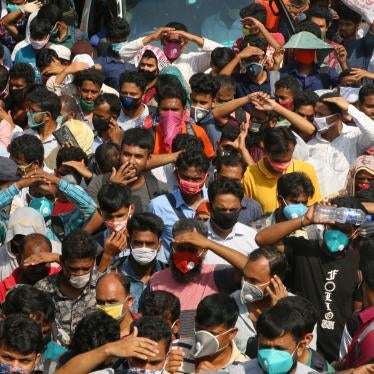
x: 113, y: 297
x: 260, y: 180
x: 225, y: 198
x: 73, y: 288
x: 366, y: 100
x: 32, y: 244
x: 336, y: 145
x: 304, y: 104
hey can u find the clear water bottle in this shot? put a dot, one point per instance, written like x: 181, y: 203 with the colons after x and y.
x: 328, y: 214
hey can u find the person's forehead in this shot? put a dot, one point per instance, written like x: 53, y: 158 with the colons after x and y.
x: 130, y: 86
x: 174, y: 102
x: 286, y: 341
x: 143, y: 235
x: 110, y: 285
x: 36, y: 245
x: 134, y: 149
x: 90, y: 85
x: 258, y: 266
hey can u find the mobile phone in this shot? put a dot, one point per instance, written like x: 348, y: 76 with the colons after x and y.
x: 64, y: 135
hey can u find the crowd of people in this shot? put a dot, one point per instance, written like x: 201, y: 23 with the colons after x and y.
x: 161, y: 198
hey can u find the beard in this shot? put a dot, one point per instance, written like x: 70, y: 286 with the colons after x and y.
x: 184, y: 278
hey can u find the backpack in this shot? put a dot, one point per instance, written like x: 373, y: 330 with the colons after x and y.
x: 360, y: 350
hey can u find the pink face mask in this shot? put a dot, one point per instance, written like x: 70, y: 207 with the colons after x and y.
x: 288, y: 104
x: 279, y: 167
x: 191, y: 188
x: 171, y: 125
x: 118, y: 226
x: 172, y: 50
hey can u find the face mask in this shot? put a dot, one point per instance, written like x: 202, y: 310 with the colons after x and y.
x: 350, y: 93
x: 130, y: 103
x: 143, y: 255
x: 31, y: 119
x: 291, y: 211
x: 250, y: 293
x: 12, y: 7
x: 224, y: 220
x: 304, y: 56
x: 279, y: 167
x: 254, y: 69
x: 100, y: 124
x: 172, y: 50
x: 114, y: 310
x: 191, y: 188
x: 185, y: 261
x: 42, y: 205
x: 6, y: 369
x: 149, y: 75
x: 79, y: 281
x: 87, y: 106
x: 171, y: 125
x: 197, y: 114
x: 144, y: 371
x: 335, y: 240
x: 363, y: 186
x: 116, y: 47
x: 207, y: 344
x: 17, y: 95
x: 116, y: 226
x: 247, y: 32
x: 288, y: 104
x: 60, y: 120
x: 321, y: 123
x: 275, y: 361
x: 39, y: 44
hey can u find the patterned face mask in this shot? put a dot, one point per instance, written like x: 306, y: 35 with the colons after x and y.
x: 6, y: 369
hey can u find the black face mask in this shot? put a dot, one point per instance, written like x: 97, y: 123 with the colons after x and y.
x: 17, y: 95
x: 100, y: 124
x: 224, y: 220
x: 149, y: 75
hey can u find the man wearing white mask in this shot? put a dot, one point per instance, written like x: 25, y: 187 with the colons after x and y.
x: 337, y: 145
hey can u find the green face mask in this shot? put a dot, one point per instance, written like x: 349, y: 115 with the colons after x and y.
x: 85, y: 105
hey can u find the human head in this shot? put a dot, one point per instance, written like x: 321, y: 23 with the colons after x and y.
x: 360, y: 176
x: 115, y: 205
x: 107, y: 157
x: 327, y: 116
x: 186, y: 141
x: 203, y: 90
x: 227, y: 87
x: 304, y: 104
x: 366, y: 100
x: 21, y: 78
x: 321, y: 17
x: 28, y: 152
x: 81, y: 47
x: 230, y: 166
x: 219, y: 58
x: 137, y: 147
x: 132, y: 88
x: 228, y: 135
x: 171, y: 96
x: 254, y: 41
x: 279, y: 144
x: 158, y: 330
x: 186, y: 260
x: 256, y: 11
x: 162, y: 304
x: 215, y: 315
x: 21, y: 343
x: 78, y: 254
x: 40, y: 32
x: 46, y: 58
x: 4, y: 80
x: 149, y: 64
x: 113, y: 295
x: 346, y: 79
x: 286, y: 89
x: 69, y: 109
x: 349, y: 22
x: 172, y: 43
x: 118, y: 30
x: 145, y: 231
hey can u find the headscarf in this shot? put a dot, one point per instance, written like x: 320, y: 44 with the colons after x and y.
x: 162, y: 61
x: 364, y: 162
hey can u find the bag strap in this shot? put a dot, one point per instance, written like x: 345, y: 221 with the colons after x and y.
x: 173, y: 204
x: 152, y: 185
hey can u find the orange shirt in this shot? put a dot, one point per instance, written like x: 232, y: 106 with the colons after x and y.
x: 199, y: 132
x: 272, y: 21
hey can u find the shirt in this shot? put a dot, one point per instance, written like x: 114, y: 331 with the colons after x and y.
x: 359, y: 51
x: 260, y: 184
x: 250, y: 211
x: 332, y: 160
x: 49, y: 144
x: 126, y: 122
x: 241, y: 238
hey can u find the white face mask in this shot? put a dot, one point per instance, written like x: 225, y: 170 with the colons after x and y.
x: 207, y: 344
x: 321, y: 123
x: 143, y: 255
x: 250, y: 293
x: 79, y: 281
x: 39, y: 44
x: 350, y: 93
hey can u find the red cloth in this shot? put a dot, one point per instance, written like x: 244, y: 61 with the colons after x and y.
x: 149, y: 94
x: 62, y: 207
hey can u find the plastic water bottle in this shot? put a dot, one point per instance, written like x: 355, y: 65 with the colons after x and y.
x: 328, y: 214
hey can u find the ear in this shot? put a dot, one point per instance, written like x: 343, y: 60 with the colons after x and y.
x: 160, y: 242
x: 132, y: 209
x: 233, y: 333
x: 130, y: 301
x: 176, y: 328
x: 214, y: 102
x: 272, y: 123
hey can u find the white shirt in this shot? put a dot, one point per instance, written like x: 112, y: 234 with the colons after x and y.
x: 126, y: 122
x: 332, y: 160
x: 241, y: 238
x: 188, y: 63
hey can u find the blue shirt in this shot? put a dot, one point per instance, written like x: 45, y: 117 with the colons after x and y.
x: 359, y: 51
x: 28, y: 54
x: 162, y: 208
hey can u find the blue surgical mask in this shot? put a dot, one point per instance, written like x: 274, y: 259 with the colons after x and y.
x: 31, y: 119
x: 275, y: 361
x: 116, y: 47
x: 42, y: 205
x: 254, y: 69
x: 335, y: 240
x: 292, y: 211
x: 12, y: 7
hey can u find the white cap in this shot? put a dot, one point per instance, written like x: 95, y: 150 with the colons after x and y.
x: 62, y: 51
x: 84, y: 58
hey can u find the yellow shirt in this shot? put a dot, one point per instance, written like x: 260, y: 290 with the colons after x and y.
x: 260, y: 184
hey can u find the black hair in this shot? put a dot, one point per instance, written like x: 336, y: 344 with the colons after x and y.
x: 186, y: 141
x: 230, y: 132
x: 107, y: 156
x: 347, y: 14
x: 145, y: 222
x: 160, y: 304
x: 40, y: 27
x: 289, y: 83
x: 65, y: 154
x: 45, y: 57
x: 47, y: 100
x: 135, y: 77
x: 366, y: 90
x: 4, y: 77
x: 198, y: 160
x: 215, y: 310
x: 21, y: 335
x: 202, y: 83
x: 277, y: 140
x: 29, y: 147
x: 112, y: 100
x: 281, y: 319
x: 154, y: 328
x: 306, y: 97
x: 70, y: 105
x: 22, y: 70
x: 277, y: 260
x: 189, y: 224
x: 221, y: 56
x: 139, y: 137
x: 254, y: 41
x: 177, y: 26
x: 92, y: 75
x: 345, y: 73
x: 149, y: 54
x: 294, y: 184
x: 28, y: 300
x: 113, y: 197
x: 225, y: 81
x: 308, y: 26
x: 233, y: 159
x: 256, y: 11
x: 169, y: 87
x: 348, y: 202
x: 117, y: 29
x: 224, y: 186
x: 366, y: 250
x: 93, y: 331
x: 333, y: 108
x: 318, y: 12
x: 78, y: 245
x: 51, y: 12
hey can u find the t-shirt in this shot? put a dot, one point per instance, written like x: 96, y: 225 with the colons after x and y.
x: 329, y: 283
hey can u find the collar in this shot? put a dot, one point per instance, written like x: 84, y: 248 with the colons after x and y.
x: 345, y: 130
x: 232, y: 234
x: 179, y: 201
x: 266, y: 172
x: 129, y: 271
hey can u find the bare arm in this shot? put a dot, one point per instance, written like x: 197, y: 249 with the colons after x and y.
x: 221, y: 112
x: 94, y: 223
x: 160, y: 160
